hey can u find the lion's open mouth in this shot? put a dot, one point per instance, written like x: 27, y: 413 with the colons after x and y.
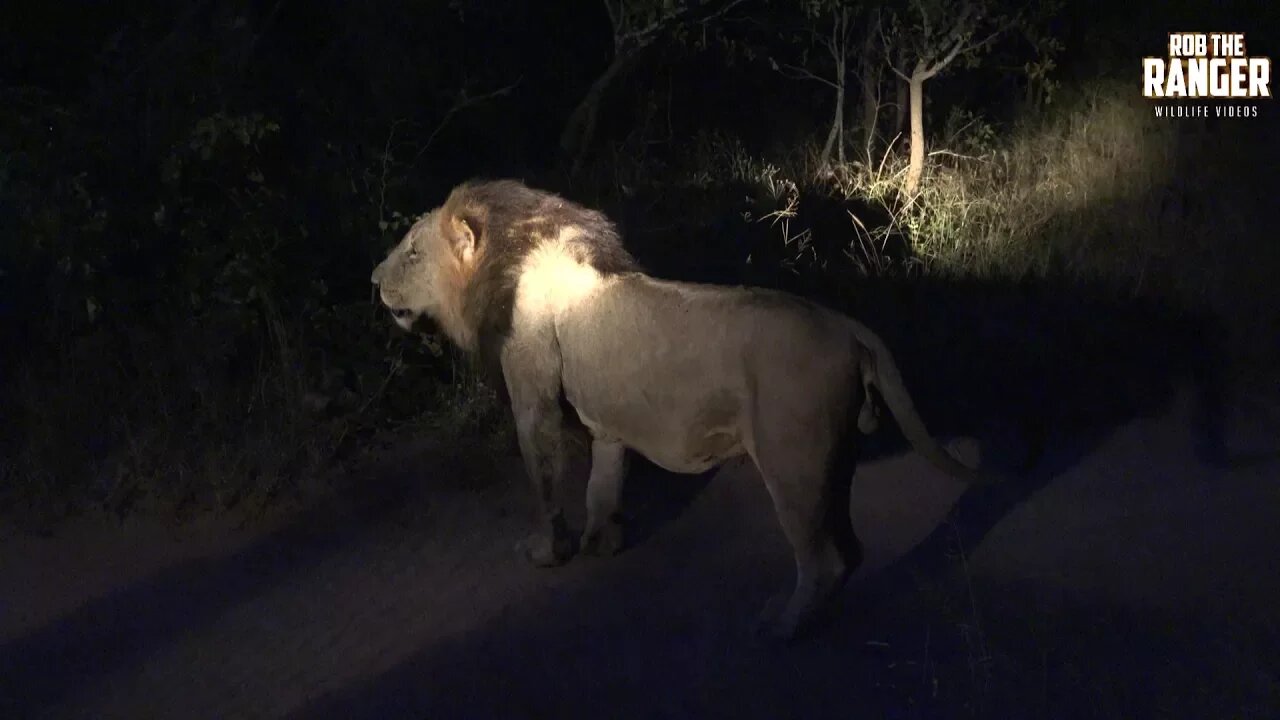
x: 404, y: 317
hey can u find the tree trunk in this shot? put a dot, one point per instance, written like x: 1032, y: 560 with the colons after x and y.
x: 579, y: 131
x: 837, y: 45
x: 901, y: 100
x: 870, y: 115
x: 916, y: 169
x: 904, y: 106
x: 833, y: 135
x: 870, y: 71
x: 840, y: 159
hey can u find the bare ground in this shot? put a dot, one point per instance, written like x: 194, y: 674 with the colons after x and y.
x: 1125, y: 577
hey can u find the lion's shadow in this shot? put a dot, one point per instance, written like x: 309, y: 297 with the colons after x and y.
x: 653, y: 497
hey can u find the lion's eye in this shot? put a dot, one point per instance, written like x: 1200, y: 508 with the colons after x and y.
x: 413, y: 252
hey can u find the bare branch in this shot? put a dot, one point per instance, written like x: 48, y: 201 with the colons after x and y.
x: 685, y: 13
x: 833, y: 45
x: 462, y: 103
x: 724, y: 9
x: 1000, y: 28
x: 614, y: 16
x: 948, y: 153
x: 794, y: 72
x: 963, y: 26
x: 869, y: 48
x: 889, y: 60
x: 960, y: 39
x: 933, y: 69
x: 924, y: 19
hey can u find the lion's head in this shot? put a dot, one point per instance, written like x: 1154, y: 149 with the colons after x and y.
x: 458, y: 265
x: 427, y: 272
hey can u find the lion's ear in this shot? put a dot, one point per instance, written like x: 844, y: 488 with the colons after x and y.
x: 463, y: 236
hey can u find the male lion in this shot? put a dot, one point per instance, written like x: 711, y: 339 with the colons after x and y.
x: 688, y: 375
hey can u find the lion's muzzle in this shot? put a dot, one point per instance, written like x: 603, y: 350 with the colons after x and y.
x: 403, y: 316
x: 376, y: 278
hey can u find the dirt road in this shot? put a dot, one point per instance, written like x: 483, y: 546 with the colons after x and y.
x: 1125, y: 578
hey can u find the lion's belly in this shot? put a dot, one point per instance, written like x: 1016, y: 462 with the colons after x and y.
x: 715, y: 449
x: 680, y: 447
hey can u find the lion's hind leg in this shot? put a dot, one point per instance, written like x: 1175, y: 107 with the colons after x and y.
x: 603, y: 534
x: 812, y: 503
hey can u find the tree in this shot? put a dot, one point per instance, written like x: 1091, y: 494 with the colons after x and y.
x: 932, y: 34
x: 635, y: 25
x: 869, y: 76
x: 829, y: 30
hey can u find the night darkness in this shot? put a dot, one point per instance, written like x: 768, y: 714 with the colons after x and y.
x: 230, y: 486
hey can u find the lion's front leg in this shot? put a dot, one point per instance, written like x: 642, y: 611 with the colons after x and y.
x: 542, y: 446
x: 531, y: 369
x: 603, y: 534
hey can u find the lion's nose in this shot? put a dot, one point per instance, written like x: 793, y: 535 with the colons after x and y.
x: 376, y: 277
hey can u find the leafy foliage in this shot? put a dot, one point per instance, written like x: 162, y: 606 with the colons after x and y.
x: 190, y: 277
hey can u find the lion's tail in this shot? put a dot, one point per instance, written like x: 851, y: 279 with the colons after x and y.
x: 882, y: 372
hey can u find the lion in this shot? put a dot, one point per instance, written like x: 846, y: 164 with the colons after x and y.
x: 687, y: 375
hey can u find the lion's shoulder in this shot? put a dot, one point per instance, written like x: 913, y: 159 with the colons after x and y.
x: 514, y: 221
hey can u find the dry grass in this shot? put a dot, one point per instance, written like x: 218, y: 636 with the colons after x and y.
x: 1098, y: 190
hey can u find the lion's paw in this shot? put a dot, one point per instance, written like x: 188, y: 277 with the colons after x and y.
x: 544, y: 551
x: 967, y: 450
x: 772, y: 626
x: 604, y: 541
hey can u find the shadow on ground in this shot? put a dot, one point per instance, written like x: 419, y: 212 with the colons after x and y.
x: 121, y: 630
x: 664, y: 632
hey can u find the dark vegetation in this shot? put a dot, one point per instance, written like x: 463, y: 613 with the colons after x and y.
x: 192, y: 200
x: 192, y: 197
